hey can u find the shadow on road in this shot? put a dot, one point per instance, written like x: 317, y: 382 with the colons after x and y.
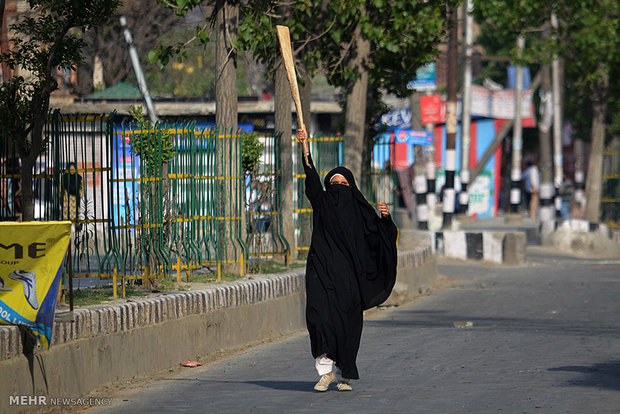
x: 305, y: 386
x: 602, y: 375
x: 446, y: 319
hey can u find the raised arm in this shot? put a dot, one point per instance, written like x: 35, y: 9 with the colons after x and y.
x: 302, y: 138
x: 314, y: 190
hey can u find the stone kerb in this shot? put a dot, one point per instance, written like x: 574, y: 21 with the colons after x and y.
x: 113, y: 319
x: 490, y: 246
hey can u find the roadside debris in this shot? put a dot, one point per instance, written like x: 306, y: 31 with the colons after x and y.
x: 467, y: 324
x: 191, y: 364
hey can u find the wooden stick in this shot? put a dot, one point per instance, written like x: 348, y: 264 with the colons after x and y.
x: 284, y: 38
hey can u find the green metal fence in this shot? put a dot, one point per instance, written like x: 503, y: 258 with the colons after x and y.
x: 181, y: 214
x: 327, y: 153
x: 379, y: 182
x: 141, y: 216
x: 263, y: 195
x: 610, y: 197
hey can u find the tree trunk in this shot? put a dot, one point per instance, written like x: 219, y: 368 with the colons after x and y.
x: 226, y: 66
x: 593, y: 182
x: 283, y: 126
x: 2, y: 3
x: 29, y: 150
x: 27, y: 168
x: 230, y: 206
x: 356, y: 108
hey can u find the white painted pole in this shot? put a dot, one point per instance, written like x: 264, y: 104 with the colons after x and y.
x: 138, y: 70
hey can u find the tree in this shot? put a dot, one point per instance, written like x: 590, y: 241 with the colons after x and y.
x: 590, y: 44
x: 47, y: 38
x: 356, y: 43
x: 108, y: 44
x: 588, y: 41
x: 377, y: 46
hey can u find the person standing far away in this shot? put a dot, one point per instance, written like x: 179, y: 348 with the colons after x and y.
x: 567, y: 191
x: 71, y: 190
x: 351, y: 267
x: 531, y: 184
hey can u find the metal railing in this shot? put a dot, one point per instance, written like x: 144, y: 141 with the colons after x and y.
x: 610, y: 194
x: 142, y: 216
x: 379, y: 182
x: 263, y: 195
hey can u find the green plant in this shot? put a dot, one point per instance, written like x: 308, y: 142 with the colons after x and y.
x: 251, y: 151
x: 152, y: 143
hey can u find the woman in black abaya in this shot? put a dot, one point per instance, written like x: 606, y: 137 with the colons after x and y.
x: 351, y: 267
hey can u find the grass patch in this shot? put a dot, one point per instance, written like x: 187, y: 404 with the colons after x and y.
x: 275, y: 266
x: 169, y: 285
x: 102, y: 294
x: 212, y: 277
x: 202, y: 277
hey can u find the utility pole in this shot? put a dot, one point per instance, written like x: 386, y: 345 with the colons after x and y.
x: 466, y: 121
x: 138, y: 70
x: 517, y: 138
x: 558, y: 162
x: 451, y: 120
x: 419, y: 180
x: 431, y: 197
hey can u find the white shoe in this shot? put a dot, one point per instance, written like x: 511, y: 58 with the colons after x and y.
x: 344, y: 386
x: 324, y: 382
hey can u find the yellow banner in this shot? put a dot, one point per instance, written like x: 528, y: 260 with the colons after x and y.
x: 31, y: 256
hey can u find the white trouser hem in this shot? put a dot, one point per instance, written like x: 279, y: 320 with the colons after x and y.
x: 325, y: 365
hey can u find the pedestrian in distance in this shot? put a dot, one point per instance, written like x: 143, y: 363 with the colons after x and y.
x: 566, y: 192
x: 71, y: 190
x: 351, y: 267
x: 531, y: 187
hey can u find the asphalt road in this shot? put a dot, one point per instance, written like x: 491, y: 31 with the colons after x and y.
x: 542, y: 338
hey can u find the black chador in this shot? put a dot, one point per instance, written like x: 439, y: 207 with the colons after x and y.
x: 351, y: 266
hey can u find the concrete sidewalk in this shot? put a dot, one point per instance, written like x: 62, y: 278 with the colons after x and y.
x: 544, y: 338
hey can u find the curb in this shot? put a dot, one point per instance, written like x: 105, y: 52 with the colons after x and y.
x: 490, y: 246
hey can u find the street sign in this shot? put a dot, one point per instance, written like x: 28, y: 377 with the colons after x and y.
x: 413, y: 137
x: 424, y: 79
